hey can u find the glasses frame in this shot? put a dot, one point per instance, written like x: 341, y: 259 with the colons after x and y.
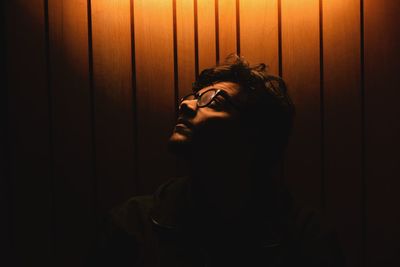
x: 198, y: 96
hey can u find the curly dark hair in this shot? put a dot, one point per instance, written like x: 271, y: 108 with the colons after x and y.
x: 268, y: 110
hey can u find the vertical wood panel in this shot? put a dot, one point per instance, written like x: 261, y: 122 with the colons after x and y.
x: 155, y: 90
x: 71, y: 120
x: 206, y: 33
x: 382, y: 131
x: 112, y: 77
x: 5, y: 179
x: 186, y: 46
x: 227, y: 28
x: 301, y: 71
x: 259, y: 34
x: 186, y: 54
x: 29, y: 133
x: 342, y: 123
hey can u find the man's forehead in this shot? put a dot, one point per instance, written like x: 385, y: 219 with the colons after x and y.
x: 230, y: 87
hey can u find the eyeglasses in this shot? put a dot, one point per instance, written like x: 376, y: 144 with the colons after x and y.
x: 205, y: 98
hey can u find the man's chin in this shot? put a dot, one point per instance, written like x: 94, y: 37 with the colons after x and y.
x: 180, y: 145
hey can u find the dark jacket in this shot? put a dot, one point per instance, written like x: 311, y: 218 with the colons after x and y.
x: 170, y: 229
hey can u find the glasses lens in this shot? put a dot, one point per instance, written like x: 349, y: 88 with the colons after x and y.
x: 206, y: 98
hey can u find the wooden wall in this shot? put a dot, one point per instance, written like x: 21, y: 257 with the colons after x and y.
x: 92, y: 96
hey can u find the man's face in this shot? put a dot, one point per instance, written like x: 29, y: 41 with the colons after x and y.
x: 209, y: 126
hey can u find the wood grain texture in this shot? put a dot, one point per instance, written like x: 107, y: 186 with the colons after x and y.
x: 259, y: 32
x: 186, y: 14
x: 301, y: 71
x: 343, y: 123
x: 72, y: 133
x: 30, y: 143
x: 5, y: 149
x: 186, y: 46
x: 227, y: 28
x: 155, y: 90
x: 112, y: 77
x: 206, y: 33
x: 382, y: 131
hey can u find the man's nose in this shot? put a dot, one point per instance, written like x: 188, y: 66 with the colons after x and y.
x: 188, y: 107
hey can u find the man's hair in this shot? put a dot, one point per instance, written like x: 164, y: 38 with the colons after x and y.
x: 268, y: 111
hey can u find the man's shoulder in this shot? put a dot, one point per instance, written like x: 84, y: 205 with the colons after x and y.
x: 124, y: 231
x: 139, y: 203
x: 309, y: 235
x: 131, y: 215
x: 315, y: 237
x: 135, y: 212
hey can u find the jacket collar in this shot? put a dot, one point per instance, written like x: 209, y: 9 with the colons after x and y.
x: 175, y: 212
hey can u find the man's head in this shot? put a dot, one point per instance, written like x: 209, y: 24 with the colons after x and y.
x: 234, y: 108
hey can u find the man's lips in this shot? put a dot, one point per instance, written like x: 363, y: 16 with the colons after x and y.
x: 183, y: 127
x: 182, y: 123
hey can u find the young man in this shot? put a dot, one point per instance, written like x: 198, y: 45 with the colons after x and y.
x: 229, y: 210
